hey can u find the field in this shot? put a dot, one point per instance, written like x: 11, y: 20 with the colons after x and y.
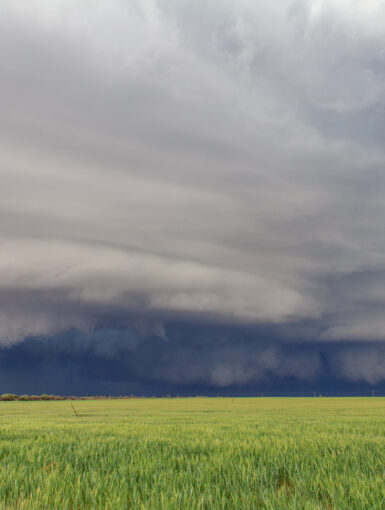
x: 199, y: 453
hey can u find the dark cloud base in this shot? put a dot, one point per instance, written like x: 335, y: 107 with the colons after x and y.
x: 190, y: 359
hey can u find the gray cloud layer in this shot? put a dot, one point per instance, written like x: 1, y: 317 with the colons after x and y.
x: 214, y: 159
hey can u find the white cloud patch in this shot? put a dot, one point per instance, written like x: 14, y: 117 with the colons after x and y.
x: 363, y: 364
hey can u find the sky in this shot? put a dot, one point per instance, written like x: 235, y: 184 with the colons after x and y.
x: 192, y: 196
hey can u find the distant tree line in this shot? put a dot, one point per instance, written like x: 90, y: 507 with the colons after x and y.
x: 12, y: 397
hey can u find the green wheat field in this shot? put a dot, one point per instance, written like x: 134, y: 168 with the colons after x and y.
x: 194, y: 453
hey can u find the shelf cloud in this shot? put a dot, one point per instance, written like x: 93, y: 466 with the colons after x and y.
x: 216, y: 164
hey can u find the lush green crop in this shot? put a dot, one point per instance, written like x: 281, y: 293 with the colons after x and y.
x: 196, y: 453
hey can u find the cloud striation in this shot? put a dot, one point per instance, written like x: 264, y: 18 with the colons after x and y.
x: 213, y: 164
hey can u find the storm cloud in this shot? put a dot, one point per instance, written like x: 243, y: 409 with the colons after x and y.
x: 215, y: 164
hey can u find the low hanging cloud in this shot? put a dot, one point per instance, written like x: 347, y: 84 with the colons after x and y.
x: 189, y: 359
x: 202, y: 161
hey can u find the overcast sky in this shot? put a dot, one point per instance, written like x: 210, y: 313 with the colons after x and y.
x: 176, y: 173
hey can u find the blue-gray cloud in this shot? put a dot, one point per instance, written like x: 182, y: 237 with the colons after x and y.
x: 201, y: 161
x: 189, y: 358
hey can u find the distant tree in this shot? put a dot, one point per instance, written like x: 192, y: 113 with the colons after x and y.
x: 8, y: 396
x: 23, y: 397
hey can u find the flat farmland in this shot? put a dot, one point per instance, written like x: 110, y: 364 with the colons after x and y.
x: 194, y: 453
